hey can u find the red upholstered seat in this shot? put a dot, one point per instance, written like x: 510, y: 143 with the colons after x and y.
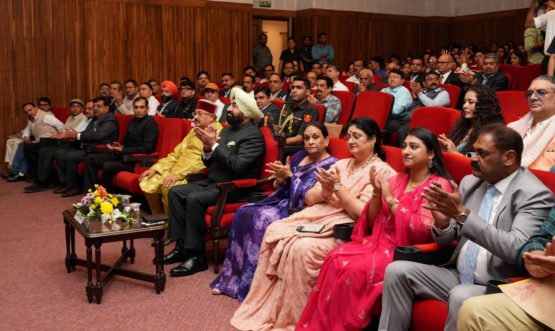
x: 347, y: 102
x: 454, y: 93
x: 350, y: 85
x: 171, y: 133
x: 321, y: 113
x: 279, y: 103
x: 61, y: 113
x: 513, y: 74
x: 529, y: 73
x: 218, y: 218
x: 457, y: 165
x: 394, y: 157
x: 376, y: 105
x: 437, y: 119
x: 513, y: 102
x: 225, y: 100
x: 338, y: 148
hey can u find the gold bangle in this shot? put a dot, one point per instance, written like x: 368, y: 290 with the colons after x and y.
x: 392, y: 203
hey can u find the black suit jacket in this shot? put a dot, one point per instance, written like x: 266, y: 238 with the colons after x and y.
x: 419, y: 78
x: 239, y: 154
x: 168, y: 109
x: 103, y: 130
x: 454, y: 79
x: 497, y: 81
x: 141, y: 136
x: 272, y: 112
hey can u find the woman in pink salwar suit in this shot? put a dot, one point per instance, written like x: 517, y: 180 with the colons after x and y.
x: 351, y: 278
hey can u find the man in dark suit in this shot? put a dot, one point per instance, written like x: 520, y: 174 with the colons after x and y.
x: 490, y: 76
x: 270, y: 112
x: 416, y: 74
x: 445, y: 66
x: 237, y: 154
x: 103, y: 129
x: 140, y: 138
x: 498, y: 208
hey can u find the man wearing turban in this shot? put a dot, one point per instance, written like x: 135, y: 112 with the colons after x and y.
x: 237, y: 154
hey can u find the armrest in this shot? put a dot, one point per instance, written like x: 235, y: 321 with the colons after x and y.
x: 430, y: 253
x: 140, y: 157
x: 95, y: 148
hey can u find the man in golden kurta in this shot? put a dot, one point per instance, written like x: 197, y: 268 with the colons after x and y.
x: 183, y: 161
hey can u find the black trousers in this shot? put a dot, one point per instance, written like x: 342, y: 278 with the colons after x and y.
x: 45, y: 160
x: 93, y: 163
x: 187, y: 204
x: 111, y: 168
x: 67, y: 162
x: 31, y: 152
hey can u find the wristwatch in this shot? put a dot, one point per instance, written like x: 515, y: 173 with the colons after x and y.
x: 461, y: 218
x: 337, y: 187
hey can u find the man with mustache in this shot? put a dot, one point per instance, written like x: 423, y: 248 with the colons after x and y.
x: 537, y: 128
x: 490, y: 76
x: 492, y: 214
x: 237, y: 154
x: 183, y: 161
x: 431, y: 95
x: 324, y: 85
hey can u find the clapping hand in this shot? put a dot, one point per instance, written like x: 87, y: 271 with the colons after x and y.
x: 447, y: 144
x: 379, y: 184
x: 467, y: 77
x: 541, y: 264
x: 279, y: 171
x: 207, y: 137
x: 444, y: 205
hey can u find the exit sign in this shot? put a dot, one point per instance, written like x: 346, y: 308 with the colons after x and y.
x: 265, y: 3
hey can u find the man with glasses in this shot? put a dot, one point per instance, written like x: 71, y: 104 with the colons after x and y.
x: 211, y: 93
x: 445, y: 66
x: 186, y: 108
x: 297, y: 113
x: 490, y: 76
x: 45, y: 104
x: 275, y: 83
x: 537, y: 128
x: 270, y: 112
x: 268, y: 71
x: 182, y: 161
x: 431, y: 64
x: 125, y: 106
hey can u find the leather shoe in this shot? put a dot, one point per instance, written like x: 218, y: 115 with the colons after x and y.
x: 16, y: 178
x: 36, y: 187
x: 72, y: 192
x: 176, y: 255
x: 7, y: 174
x: 191, y: 266
x: 62, y: 189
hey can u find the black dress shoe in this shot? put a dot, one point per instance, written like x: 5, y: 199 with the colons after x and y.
x: 72, y: 192
x: 16, y: 178
x: 62, y: 189
x: 176, y: 255
x: 191, y: 266
x: 8, y: 174
x: 36, y: 187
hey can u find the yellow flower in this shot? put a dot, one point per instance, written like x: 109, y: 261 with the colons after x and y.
x: 106, y: 208
x: 114, y: 201
x: 93, y: 206
x: 97, y: 200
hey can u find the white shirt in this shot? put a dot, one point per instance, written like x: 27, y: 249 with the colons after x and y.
x: 153, y: 104
x: 481, y: 272
x: 353, y: 79
x: 340, y: 87
x: 126, y: 107
x: 445, y: 75
x: 220, y: 108
x: 547, y: 22
x: 49, y: 119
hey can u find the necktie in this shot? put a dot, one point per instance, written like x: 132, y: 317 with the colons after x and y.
x: 485, y: 80
x: 441, y: 79
x: 468, y: 264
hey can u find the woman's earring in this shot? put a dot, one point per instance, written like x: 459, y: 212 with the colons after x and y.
x: 430, y: 163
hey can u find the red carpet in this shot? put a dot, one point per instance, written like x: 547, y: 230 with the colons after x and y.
x: 38, y: 293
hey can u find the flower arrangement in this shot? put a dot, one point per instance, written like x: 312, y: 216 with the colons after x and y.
x: 99, y: 204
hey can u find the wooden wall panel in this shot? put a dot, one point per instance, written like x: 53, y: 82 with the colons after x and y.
x: 66, y: 48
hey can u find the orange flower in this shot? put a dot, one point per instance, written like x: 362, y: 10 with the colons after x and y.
x: 102, y: 191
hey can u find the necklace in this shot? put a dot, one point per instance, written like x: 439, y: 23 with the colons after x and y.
x: 351, y: 169
x: 414, y: 185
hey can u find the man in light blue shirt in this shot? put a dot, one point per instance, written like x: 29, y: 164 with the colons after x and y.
x: 402, y: 96
x: 323, y: 52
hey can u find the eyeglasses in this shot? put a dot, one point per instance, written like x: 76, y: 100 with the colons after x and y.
x: 43, y: 104
x: 442, y: 62
x: 540, y: 93
x: 185, y: 89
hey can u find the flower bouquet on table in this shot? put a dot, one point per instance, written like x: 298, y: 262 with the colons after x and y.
x: 101, y: 205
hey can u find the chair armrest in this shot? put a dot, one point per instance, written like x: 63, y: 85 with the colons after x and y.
x: 95, y: 148
x: 139, y: 157
x: 430, y: 253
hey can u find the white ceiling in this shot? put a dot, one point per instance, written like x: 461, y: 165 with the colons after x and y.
x: 423, y: 8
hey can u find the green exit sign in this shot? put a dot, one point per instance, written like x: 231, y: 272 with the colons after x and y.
x: 265, y: 3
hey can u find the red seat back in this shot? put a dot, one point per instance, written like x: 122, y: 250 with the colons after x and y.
x: 123, y: 121
x: 225, y: 100
x: 457, y: 165
x: 321, y: 112
x: 513, y: 102
x: 279, y: 103
x: 437, y: 119
x: 347, y: 102
x: 394, y: 157
x: 350, y: 85
x: 376, y: 105
x: 175, y: 129
x: 61, y: 113
x: 454, y: 93
x: 271, y: 154
x: 509, y: 79
x: 510, y: 117
x: 338, y: 148
x: 547, y: 178
x: 513, y: 74
x: 529, y: 73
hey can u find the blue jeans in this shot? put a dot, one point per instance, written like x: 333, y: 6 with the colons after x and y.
x: 19, y: 164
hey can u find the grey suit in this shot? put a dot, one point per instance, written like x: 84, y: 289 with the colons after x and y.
x: 521, y: 212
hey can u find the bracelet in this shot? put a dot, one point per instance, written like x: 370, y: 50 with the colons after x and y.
x: 392, y: 203
x: 325, y: 199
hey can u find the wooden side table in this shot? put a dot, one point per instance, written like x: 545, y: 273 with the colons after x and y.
x: 97, y: 233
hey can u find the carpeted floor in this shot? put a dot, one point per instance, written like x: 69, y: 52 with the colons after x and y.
x: 38, y: 294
